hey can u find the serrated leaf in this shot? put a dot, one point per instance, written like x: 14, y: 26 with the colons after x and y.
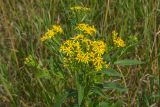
x: 112, y: 72
x: 128, y: 62
x: 60, y: 99
x: 114, y: 86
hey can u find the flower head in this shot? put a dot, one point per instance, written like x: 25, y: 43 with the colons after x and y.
x: 67, y: 48
x: 98, y: 62
x: 118, y: 41
x: 84, y: 50
x: 51, y: 33
x: 48, y: 35
x: 99, y: 47
x: 87, y: 29
x: 57, y: 29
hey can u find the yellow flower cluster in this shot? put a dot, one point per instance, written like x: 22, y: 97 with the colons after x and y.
x: 118, y: 41
x: 90, y: 30
x: 79, y: 8
x: 84, y: 50
x: 51, y: 32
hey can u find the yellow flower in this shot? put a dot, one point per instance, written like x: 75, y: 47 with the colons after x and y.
x: 67, y: 50
x: 114, y: 33
x: 99, y: 47
x: 51, y: 32
x: 82, y: 57
x: 84, y: 50
x: 86, y: 58
x: 48, y: 35
x: 79, y: 8
x: 57, y: 29
x: 77, y: 37
x: 90, y: 30
x: 86, y: 41
x: 92, y: 55
x: 98, y: 62
x: 77, y: 46
x: 67, y: 47
x: 79, y: 57
x: 118, y: 41
x: 62, y: 48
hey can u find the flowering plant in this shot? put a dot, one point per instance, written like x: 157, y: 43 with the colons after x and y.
x: 82, y: 61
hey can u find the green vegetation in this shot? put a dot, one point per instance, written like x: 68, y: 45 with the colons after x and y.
x: 101, y: 53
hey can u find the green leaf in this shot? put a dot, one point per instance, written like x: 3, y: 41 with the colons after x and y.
x: 60, y: 99
x: 118, y: 103
x: 114, y: 86
x: 128, y: 62
x: 112, y: 72
x: 76, y: 105
x: 80, y: 94
x: 103, y: 104
x: 42, y: 74
x: 89, y: 102
x: 96, y: 90
x: 60, y: 75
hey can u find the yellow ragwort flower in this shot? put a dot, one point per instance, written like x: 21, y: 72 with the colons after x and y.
x: 78, y: 36
x: 98, y: 62
x: 77, y: 46
x: 92, y: 55
x: 114, y: 33
x: 90, y: 30
x: 84, y: 50
x: 57, y: 29
x: 118, y: 41
x: 48, y: 35
x: 79, y: 57
x: 67, y: 50
x: 51, y: 32
x: 99, y: 47
x: 82, y: 57
x: 86, y: 58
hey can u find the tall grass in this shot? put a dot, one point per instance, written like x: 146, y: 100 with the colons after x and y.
x: 22, y: 22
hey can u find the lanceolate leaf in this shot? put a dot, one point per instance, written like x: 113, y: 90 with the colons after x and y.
x: 114, y: 86
x: 97, y: 90
x: 112, y: 72
x: 128, y: 62
x: 80, y: 94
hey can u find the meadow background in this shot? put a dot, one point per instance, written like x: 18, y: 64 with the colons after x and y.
x: 22, y: 22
